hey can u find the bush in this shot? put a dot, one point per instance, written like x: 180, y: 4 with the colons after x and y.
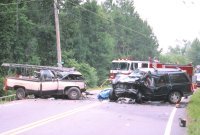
x: 88, y: 72
x: 2, y: 93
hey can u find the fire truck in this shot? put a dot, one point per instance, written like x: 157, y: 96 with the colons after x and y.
x: 125, y: 66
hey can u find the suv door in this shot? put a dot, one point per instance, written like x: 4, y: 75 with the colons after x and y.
x: 161, y: 86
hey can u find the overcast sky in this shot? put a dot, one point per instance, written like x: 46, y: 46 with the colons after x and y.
x: 171, y: 20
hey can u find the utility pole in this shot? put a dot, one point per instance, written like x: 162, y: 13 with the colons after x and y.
x: 17, y: 18
x: 57, y: 34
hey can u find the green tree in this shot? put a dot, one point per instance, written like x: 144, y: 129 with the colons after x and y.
x: 134, y: 38
x: 177, y: 54
x: 8, y: 30
x: 88, y: 72
x: 193, y: 52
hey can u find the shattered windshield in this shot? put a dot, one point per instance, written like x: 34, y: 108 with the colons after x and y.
x: 120, y: 66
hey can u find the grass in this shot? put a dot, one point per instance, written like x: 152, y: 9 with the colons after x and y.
x: 193, y: 111
x: 7, y: 96
x: 6, y: 99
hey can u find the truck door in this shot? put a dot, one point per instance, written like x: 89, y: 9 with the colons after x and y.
x: 49, y: 84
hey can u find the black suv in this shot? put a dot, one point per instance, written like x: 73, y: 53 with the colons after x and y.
x: 157, y: 85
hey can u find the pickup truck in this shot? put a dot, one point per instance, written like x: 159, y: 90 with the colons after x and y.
x: 47, y: 82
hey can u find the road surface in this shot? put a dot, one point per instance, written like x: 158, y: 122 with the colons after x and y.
x: 90, y: 117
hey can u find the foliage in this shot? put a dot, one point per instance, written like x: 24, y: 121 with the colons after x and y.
x: 88, y: 72
x: 133, y: 36
x: 193, y: 114
x: 177, y: 54
x: 183, y: 54
x: 1, y: 87
x: 92, y: 35
x: 174, y: 59
x: 193, y: 52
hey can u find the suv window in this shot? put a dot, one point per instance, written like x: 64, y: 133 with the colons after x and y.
x: 161, y: 81
x: 178, y: 78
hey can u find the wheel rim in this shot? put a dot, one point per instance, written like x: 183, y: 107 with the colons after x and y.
x: 74, y: 94
x: 20, y: 94
x: 175, y: 97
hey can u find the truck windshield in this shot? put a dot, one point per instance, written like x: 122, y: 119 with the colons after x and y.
x: 120, y: 66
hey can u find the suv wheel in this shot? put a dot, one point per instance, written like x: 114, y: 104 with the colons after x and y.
x: 20, y: 94
x: 174, y: 97
x: 73, y: 93
x: 112, y: 95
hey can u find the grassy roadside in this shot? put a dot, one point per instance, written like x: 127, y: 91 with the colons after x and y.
x: 7, y: 96
x: 193, y: 111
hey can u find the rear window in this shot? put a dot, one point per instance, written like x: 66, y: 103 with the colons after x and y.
x: 73, y: 77
x: 178, y: 78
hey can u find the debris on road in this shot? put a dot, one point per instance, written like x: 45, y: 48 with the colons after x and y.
x: 182, y: 122
x: 104, y: 94
x: 126, y: 101
x: 85, y: 94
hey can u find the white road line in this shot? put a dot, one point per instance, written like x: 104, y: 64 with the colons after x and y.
x: 170, y: 121
x: 49, y: 119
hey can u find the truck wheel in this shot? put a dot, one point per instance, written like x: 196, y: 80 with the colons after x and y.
x: 174, y: 97
x: 20, y: 94
x: 74, y: 93
x: 112, y: 96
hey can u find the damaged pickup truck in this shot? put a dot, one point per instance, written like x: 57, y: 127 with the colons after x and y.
x: 152, y: 85
x: 45, y: 81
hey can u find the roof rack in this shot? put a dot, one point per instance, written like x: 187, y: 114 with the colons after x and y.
x: 37, y: 67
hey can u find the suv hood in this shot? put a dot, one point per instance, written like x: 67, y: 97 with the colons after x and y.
x: 124, y: 78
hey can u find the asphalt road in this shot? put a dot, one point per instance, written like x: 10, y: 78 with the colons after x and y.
x: 90, y: 117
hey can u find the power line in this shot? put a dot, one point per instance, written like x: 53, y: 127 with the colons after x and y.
x: 128, y: 28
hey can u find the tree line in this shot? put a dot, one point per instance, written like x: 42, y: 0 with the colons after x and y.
x: 92, y: 34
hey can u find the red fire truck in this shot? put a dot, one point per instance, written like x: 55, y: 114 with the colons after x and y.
x: 125, y: 66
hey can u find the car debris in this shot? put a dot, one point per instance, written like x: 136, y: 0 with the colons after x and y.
x: 182, y: 122
x: 104, y: 94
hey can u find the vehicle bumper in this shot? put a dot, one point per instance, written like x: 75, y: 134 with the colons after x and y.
x: 198, y: 83
x: 120, y: 92
x: 187, y: 94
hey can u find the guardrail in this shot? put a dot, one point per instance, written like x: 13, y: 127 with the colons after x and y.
x: 7, y: 98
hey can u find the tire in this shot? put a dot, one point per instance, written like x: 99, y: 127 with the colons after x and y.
x: 20, y: 94
x: 112, y: 96
x: 174, y: 97
x: 73, y: 93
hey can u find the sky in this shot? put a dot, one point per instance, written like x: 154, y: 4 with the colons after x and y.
x: 172, y: 21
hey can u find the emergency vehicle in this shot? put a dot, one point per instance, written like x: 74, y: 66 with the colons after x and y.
x: 125, y: 66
